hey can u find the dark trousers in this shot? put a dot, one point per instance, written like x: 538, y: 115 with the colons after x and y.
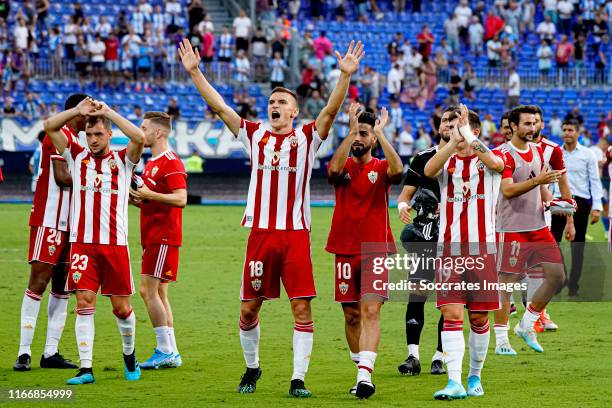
x: 581, y: 223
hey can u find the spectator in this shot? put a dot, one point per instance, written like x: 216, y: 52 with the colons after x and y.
x: 580, y: 48
x: 97, y: 49
x: 476, y: 33
x: 396, y: 119
x: 145, y: 64
x: 53, y: 110
x: 321, y: 46
x: 527, y: 24
x: 580, y: 27
x: 111, y: 57
x: 600, y: 28
x: 194, y: 163
x: 512, y: 16
x: 314, y: 105
x: 406, y: 142
x: 145, y: 7
x: 588, y: 9
x: 208, y: 49
x: 158, y: 19
x: 493, y: 25
x: 428, y: 70
x: 242, y: 31
x: 226, y: 52
x: 332, y: 78
x: 195, y: 38
x: 494, y: 52
x: 207, y: 22
x: 441, y: 66
x: 103, y: 28
x: 136, y: 114
x: 603, y: 57
x: 160, y: 55
x: 173, y: 109
x: 32, y: 108
x: 488, y: 129
x: 563, y: 54
x: 5, y: 9
x: 514, y: 89
x: 81, y: 59
x: 545, y: 57
x: 550, y: 10
x: 133, y: 41
x: 565, y: 9
x: 56, y: 51
x: 546, y: 29
x: 370, y: 82
x: 138, y: 21
x: 242, y: 71
x: 463, y: 13
x: 173, y: 10
x: 555, y: 125
x: 21, y: 34
x: 454, y: 87
x: 294, y: 8
x: 277, y: 71
x: 603, y: 127
x: 77, y: 15
x: 259, y: 54
x: 469, y: 82
x: 127, y: 64
x: 316, y: 9
x: 447, y: 51
x: 451, y: 28
x: 394, y: 81
x: 423, y: 141
x: 195, y: 13
x: 425, y: 39
x: 575, y: 114
x: 9, y: 109
x: 435, y: 119
x: 394, y: 45
x: 328, y: 62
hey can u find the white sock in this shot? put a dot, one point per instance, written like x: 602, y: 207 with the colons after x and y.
x: 354, y: 357
x: 366, y: 366
x: 303, y: 334
x: 56, y: 322
x: 172, y: 340
x: 127, y: 329
x: 479, y: 344
x: 249, y: 339
x: 438, y: 355
x: 413, y: 350
x: 163, y: 339
x: 534, y: 280
x: 453, y: 345
x: 501, y: 334
x: 529, y: 318
x: 85, y: 331
x: 30, y: 305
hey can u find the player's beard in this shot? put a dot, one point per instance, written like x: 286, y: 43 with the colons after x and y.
x: 444, y: 137
x: 360, y: 151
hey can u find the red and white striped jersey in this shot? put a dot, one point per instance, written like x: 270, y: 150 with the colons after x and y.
x: 100, y: 190
x: 281, y: 165
x: 51, y: 204
x: 553, y: 154
x: 468, y: 199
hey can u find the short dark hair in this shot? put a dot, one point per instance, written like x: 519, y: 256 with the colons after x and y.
x: 538, y: 110
x: 571, y: 122
x: 505, y: 116
x: 450, y: 108
x: 515, y: 114
x: 93, y: 120
x: 368, y: 118
x: 41, y: 136
x: 473, y: 119
x: 159, y: 118
x: 73, y: 100
x: 285, y: 90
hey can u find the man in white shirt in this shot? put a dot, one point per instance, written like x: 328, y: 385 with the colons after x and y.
x: 494, y: 51
x: 406, y: 142
x: 394, y: 80
x: 242, y: 70
x: 514, y: 89
x: 242, y: 31
x: 476, y: 32
x: 550, y: 10
x: 463, y: 13
x: 565, y: 9
x: 97, y: 48
x: 546, y: 29
x: 21, y: 35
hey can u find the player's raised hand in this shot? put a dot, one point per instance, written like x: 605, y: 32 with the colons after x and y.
x: 383, y: 120
x: 189, y: 58
x: 354, y: 112
x: 463, y: 116
x: 547, y: 176
x: 349, y: 64
x: 87, y: 107
x: 101, y: 108
x: 456, y: 136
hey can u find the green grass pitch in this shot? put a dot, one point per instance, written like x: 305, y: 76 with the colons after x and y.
x: 574, y: 371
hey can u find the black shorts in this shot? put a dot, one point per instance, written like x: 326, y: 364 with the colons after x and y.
x: 81, y: 68
x: 98, y: 65
x: 225, y: 59
x: 207, y: 59
x: 144, y: 70
x: 414, y: 243
x: 242, y: 43
x: 158, y: 68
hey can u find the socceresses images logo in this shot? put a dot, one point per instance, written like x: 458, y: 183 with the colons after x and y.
x: 256, y: 283
x: 343, y: 286
x: 76, y: 277
x: 372, y: 176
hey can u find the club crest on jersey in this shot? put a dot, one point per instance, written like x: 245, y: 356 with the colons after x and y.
x: 256, y: 283
x: 76, y: 277
x: 112, y: 164
x: 513, y: 261
x: 372, y: 176
x: 276, y: 158
x: 293, y: 141
x: 51, y: 249
x: 154, y: 171
x: 480, y: 165
x: 343, y: 286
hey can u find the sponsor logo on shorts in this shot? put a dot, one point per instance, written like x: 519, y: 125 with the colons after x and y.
x: 168, y: 272
x: 76, y: 277
x: 51, y: 249
x: 343, y: 286
x: 256, y: 283
x: 372, y: 176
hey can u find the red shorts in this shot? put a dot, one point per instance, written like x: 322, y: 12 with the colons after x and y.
x: 520, y: 251
x: 48, y: 245
x: 357, y: 276
x: 272, y: 256
x: 94, y: 265
x: 467, y: 286
x: 160, y: 261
